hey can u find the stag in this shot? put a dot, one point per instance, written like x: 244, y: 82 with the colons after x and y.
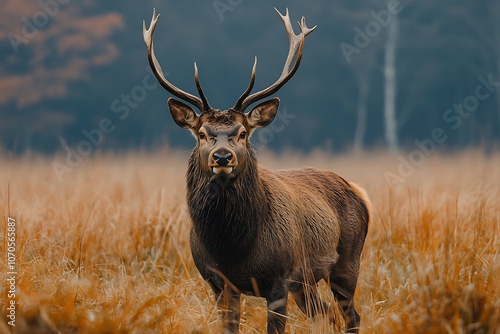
x: 262, y: 232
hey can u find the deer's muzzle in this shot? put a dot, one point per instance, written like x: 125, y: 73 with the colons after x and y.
x: 222, y: 160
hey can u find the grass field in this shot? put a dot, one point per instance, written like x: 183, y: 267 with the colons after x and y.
x: 106, y: 250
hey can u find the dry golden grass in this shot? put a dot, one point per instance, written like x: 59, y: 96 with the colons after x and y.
x: 106, y: 250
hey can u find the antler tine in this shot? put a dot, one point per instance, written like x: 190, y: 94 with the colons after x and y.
x: 249, y: 88
x: 155, y: 66
x: 294, y: 53
x: 291, y: 37
x: 304, y: 28
x: 206, y: 105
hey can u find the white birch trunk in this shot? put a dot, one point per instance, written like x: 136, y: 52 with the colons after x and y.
x: 498, y: 76
x: 359, y: 135
x: 390, y: 86
x: 497, y: 93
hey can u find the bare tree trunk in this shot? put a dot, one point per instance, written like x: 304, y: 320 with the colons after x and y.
x: 390, y: 86
x: 494, y: 10
x: 497, y: 92
x: 359, y: 135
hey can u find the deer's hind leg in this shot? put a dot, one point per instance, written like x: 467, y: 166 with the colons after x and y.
x: 343, y: 280
x: 305, y: 293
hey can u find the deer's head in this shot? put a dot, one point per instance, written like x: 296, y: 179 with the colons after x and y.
x: 222, y: 136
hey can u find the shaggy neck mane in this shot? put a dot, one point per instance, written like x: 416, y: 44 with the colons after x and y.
x: 225, y: 212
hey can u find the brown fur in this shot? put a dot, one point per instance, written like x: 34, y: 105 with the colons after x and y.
x: 263, y: 233
x: 266, y: 233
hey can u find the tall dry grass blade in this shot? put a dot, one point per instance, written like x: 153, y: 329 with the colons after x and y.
x: 79, y: 261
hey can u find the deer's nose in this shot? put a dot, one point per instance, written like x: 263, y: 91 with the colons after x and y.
x: 222, y: 158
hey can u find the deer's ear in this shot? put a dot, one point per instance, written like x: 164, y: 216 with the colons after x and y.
x: 183, y: 115
x: 263, y: 114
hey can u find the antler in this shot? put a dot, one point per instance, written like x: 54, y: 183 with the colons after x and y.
x: 200, y: 102
x: 295, y: 52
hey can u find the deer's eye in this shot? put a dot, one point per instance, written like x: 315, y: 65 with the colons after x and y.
x: 201, y: 135
x: 243, y: 135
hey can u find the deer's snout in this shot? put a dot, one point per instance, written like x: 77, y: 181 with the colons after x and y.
x: 222, y: 160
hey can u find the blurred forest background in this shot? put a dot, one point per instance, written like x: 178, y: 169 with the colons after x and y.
x: 375, y: 74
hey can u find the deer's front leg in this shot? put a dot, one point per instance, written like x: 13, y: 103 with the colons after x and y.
x: 229, y: 306
x: 276, y: 307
